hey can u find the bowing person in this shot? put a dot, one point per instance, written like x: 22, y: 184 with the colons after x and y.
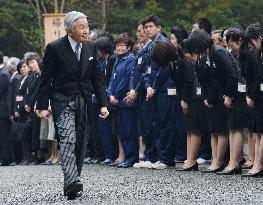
x: 218, y: 84
x: 252, y: 61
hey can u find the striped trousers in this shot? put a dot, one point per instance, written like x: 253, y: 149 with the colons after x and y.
x: 73, y: 128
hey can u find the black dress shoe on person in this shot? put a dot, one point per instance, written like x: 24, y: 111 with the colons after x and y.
x: 236, y: 170
x: 245, y: 166
x: 257, y: 174
x: 74, y: 190
x: 106, y: 162
x: 241, y: 162
x: 214, y: 170
x: 186, y: 169
x: 124, y: 165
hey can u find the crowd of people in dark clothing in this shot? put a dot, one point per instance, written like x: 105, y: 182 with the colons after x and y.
x: 192, y: 98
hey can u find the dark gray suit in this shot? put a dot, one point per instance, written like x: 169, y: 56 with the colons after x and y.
x: 4, y: 115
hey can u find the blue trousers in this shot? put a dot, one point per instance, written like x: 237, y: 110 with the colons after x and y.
x: 128, y: 133
x: 108, y: 136
x: 165, y: 122
x: 146, y: 114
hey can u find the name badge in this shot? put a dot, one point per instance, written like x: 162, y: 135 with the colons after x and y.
x: 149, y: 70
x: 139, y: 62
x: 198, y: 91
x: 261, y: 87
x: 171, y: 91
x: 241, y: 88
x: 19, y: 98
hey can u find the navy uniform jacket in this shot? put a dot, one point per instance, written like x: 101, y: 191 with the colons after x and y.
x: 4, y: 88
x: 217, y: 76
x: 63, y: 76
x: 137, y: 73
x: 252, y: 71
x: 120, y: 79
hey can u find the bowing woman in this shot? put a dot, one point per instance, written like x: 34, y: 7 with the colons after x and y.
x: 251, y: 59
x: 183, y: 75
x: 218, y: 87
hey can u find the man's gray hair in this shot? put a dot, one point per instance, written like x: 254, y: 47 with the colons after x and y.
x: 71, y: 17
x: 13, y: 62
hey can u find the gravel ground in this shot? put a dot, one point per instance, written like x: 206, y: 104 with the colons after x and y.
x: 107, y: 185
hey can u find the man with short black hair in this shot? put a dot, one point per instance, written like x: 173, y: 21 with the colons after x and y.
x: 202, y: 23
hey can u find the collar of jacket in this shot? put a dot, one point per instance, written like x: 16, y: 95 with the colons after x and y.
x: 125, y: 56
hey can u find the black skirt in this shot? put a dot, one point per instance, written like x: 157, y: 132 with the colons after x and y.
x: 258, y: 118
x: 217, y: 119
x: 195, y: 118
x: 238, y: 116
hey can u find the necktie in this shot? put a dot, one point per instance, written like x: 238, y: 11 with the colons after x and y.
x: 77, y: 51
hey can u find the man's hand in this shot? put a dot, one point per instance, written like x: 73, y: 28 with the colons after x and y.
x: 104, y: 113
x: 184, y: 106
x: 131, y: 96
x: 27, y: 108
x: 150, y: 93
x: 250, y: 102
x: 114, y: 100
x: 43, y: 114
x: 228, y: 102
x: 207, y: 105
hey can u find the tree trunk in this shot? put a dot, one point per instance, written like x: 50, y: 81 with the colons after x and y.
x: 103, y: 17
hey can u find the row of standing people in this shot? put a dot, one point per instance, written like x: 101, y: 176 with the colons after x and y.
x: 193, y: 87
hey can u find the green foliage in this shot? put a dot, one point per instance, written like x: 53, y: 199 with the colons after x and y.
x: 20, y: 30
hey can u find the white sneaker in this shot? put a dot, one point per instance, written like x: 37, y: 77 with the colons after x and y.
x: 159, y: 165
x: 201, y: 161
x: 143, y: 164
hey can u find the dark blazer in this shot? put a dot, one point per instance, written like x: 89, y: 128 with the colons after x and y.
x: 253, y: 72
x: 63, y: 76
x: 22, y: 91
x: 4, y: 88
x: 14, y: 85
x: 32, y: 90
x: 217, y: 77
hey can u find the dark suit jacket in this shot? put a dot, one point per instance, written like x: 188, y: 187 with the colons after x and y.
x: 63, y: 76
x: 14, y: 86
x: 4, y: 88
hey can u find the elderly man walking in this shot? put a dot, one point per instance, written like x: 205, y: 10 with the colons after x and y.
x: 70, y: 73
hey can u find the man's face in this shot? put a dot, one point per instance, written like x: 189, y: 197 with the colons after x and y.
x: 140, y: 34
x: 80, y: 32
x: 217, y: 39
x: 151, y: 30
x: 195, y: 27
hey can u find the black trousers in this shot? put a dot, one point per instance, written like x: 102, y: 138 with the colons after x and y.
x: 4, y: 140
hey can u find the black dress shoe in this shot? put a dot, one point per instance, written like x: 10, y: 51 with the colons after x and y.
x: 214, y: 170
x: 236, y: 170
x: 258, y: 174
x: 74, y: 190
x: 125, y: 165
x: 186, y: 169
x: 241, y: 162
x: 245, y: 166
